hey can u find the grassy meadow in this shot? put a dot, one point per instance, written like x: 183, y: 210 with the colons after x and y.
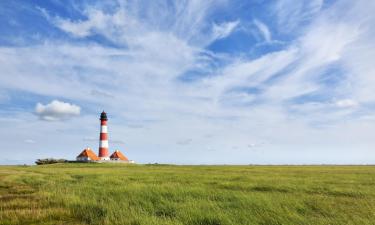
x: 192, y: 195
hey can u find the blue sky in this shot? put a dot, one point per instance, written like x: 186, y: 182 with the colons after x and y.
x: 189, y: 82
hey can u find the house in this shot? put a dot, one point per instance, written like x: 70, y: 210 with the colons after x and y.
x: 87, y: 155
x: 118, y: 156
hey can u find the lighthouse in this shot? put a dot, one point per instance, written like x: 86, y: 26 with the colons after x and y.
x: 103, y: 142
x: 87, y: 155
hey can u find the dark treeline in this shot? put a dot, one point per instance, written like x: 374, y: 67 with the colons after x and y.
x: 49, y: 161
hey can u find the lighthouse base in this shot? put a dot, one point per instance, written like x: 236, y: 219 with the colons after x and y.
x: 104, y: 158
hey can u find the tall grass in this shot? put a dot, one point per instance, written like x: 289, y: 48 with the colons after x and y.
x: 207, y: 195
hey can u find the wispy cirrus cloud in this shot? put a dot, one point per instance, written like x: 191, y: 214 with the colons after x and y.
x: 266, y: 33
x: 292, y: 14
x: 223, y: 30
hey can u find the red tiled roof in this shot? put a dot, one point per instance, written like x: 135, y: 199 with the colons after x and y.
x: 88, y: 153
x: 118, y: 155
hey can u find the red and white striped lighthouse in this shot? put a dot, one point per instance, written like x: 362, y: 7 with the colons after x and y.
x: 103, y: 142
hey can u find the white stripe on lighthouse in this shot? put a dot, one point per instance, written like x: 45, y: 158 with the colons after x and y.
x: 103, y: 144
x: 103, y: 129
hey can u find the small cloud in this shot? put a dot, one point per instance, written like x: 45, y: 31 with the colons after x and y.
x: 185, y: 142
x: 252, y: 145
x: 346, y: 103
x: 223, y: 30
x: 263, y: 29
x: 255, y: 145
x: 102, y: 94
x: 90, y: 139
x: 116, y: 141
x: 78, y: 28
x: 29, y: 141
x: 56, y: 110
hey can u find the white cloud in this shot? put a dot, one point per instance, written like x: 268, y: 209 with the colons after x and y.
x: 82, y: 28
x: 317, y: 51
x: 101, y: 94
x: 263, y: 30
x: 29, y: 141
x: 223, y: 30
x: 185, y: 21
x: 249, y: 73
x: 291, y: 13
x: 185, y: 141
x: 56, y: 110
x: 78, y: 29
x: 346, y: 103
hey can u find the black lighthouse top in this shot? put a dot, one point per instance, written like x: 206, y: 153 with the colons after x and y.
x: 103, y: 116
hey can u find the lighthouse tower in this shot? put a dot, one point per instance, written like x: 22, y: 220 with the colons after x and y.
x: 103, y: 142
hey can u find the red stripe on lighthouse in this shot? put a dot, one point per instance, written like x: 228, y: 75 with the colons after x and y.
x: 103, y: 152
x: 103, y: 136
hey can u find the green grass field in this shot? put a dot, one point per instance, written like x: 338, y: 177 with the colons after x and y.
x: 163, y: 194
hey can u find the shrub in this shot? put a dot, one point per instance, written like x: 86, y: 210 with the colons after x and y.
x: 49, y: 161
